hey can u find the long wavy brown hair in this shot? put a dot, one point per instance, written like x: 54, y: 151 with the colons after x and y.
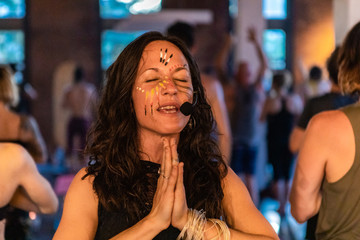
x: 115, y: 164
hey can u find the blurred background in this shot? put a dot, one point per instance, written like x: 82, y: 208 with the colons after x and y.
x: 45, y: 40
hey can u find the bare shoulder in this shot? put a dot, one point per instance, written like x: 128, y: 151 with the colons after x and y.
x: 79, y: 218
x: 82, y: 183
x: 331, y: 121
x: 10, y: 148
x: 12, y: 152
x: 81, y: 188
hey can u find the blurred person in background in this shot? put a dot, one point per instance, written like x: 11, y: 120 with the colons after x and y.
x: 16, y: 127
x: 22, y: 129
x: 80, y: 99
x: 213, y: 88
x: 22, y: 186
x: 248, y: 99
x: 280, y: 110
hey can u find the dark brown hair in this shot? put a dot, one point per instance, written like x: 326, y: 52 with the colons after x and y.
x: 119, y: 181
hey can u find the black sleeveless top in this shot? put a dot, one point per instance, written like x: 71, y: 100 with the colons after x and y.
x: 111, y: 223
x: 280, y: 126
x: 3, y: 212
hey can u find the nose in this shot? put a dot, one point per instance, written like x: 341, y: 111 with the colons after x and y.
x: 169, y: 87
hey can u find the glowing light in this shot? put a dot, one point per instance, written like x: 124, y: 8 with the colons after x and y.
x: 274, y: 219
x: 4, y: 10
x: 145, y: 6
x: 32, y: 215
x: 124, y: 1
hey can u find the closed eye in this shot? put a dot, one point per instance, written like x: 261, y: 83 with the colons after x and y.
x: 152, y: 80
x: 180, y: 80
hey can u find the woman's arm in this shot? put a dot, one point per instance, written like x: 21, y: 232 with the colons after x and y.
x: 80, y: 220
x: 79, y: 217
x: 244, y: 220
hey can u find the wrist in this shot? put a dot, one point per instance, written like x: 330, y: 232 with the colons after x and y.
x: 154, y: 223
x: 194, y: 227
x: 182, y: 222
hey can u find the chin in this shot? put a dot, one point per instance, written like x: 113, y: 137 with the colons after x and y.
x: 171, y: 130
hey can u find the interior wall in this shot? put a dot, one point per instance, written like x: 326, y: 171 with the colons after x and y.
x: 346, y: 15
x: 59, y: 31
x: 314, y: 36
x: 250, y: 15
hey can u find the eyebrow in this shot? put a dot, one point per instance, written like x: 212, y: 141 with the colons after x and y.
x: 151, y: 69
x: 180, y: 68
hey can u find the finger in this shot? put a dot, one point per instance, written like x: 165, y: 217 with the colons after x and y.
x: 180, y: 178
x: 172, y: 179
x: 162, y: 167
x: 174, y: 153
x: 167, y: 162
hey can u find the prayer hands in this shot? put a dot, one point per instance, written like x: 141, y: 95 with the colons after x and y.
x: 169, y: 204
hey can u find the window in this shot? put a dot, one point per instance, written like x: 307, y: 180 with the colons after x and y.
x: 11, y: 46
x: 233, y: 8
x: 112, y: 43
x: 12, y: 9
x: 115, y: 9
x: 12, y: 37
x: 278, y: 33
x: 274, y: 9
x: 274, y: 41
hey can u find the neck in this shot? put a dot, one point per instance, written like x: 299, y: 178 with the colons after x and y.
x: 151, y: 145
x: 335, y: 88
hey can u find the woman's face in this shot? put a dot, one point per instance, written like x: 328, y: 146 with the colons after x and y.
x: 163, y: 83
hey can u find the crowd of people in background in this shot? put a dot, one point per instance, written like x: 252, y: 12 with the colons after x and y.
x: 196, y: 170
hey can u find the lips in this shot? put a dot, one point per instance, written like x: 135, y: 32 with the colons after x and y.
x: 168, y: 108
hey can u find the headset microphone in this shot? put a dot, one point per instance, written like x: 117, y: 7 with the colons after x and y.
x: 187, y: 108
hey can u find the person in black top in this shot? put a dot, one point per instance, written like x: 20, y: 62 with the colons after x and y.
x: 156, y: 172
x: 280, y: 109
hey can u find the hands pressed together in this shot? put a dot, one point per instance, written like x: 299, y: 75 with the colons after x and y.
x: 169, y: 204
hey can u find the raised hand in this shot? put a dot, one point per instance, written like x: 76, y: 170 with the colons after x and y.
x: 161, y: 212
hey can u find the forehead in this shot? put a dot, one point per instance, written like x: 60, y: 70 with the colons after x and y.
x: 154, y: 50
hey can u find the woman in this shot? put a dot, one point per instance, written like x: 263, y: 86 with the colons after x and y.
x: 153, y: 168
x: 280, y: 109
x: 21, y: 129
x: 21, y: 184
x: 14, y: 127
x: 328, y: 169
